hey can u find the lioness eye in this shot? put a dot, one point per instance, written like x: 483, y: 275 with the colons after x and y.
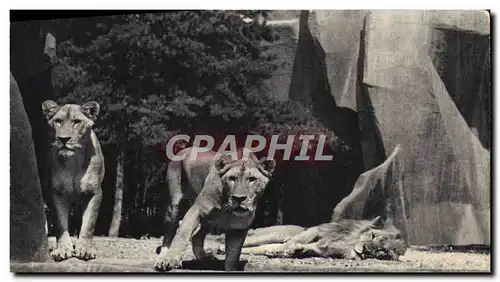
x: 58, y: 121
x: 232, y: 178
x: 251, y: 179
x: 76, y: 121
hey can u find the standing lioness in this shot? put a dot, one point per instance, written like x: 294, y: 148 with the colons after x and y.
x: 226, y: 192
x: 76, y: 171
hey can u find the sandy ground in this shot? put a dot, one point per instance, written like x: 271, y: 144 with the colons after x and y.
x: 131, y: 255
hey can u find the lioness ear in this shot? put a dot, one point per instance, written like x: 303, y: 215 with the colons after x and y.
x: 268, y: 165
x: 49, y: 109
x: 378, y: 222
x: 221, y: 164
x: 91, y: 110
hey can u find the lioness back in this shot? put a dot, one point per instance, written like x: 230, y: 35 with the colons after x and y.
x: 196, y: 169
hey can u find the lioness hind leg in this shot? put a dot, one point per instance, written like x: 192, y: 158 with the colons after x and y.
x: 171, y: 223
x: 307, y: 236
x: 198, y: 242
x: 64, y: 247
x: 172, y: 200
x: 83, y: 248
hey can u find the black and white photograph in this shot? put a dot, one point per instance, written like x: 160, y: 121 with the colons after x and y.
x: 251, y: 141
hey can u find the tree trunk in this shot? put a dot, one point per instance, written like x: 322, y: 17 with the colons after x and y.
x: 114, y: 227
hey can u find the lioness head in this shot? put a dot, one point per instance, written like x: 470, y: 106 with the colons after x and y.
x: 72, y: 125
x: 244, y: 181
x: 381, y: 240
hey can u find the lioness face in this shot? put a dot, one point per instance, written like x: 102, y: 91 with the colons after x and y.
x: 244, y: 182
x: 384, y: 243
x: 72, y: 125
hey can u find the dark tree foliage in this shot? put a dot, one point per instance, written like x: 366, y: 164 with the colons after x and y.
x: 157, y: 75
x: 167, y: 71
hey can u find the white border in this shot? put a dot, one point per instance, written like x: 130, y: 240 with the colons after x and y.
x: 255, y: 4
x: 202, y: 4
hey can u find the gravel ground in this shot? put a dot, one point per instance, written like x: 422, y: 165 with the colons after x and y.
x: 134, y: 255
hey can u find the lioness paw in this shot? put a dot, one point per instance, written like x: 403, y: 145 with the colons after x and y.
x: 62, y: 253
x: 353, y: 255
x: 84, y: 251
x: 221, y: 250
x: 167, y: 262
x: 274, y: 253
x: 207, y: 256
x: 280, y: 253
x: 288, y: 253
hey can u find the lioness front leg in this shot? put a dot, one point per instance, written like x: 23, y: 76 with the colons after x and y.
x: 198, y: 242
x: 234, y: 242
x: 170, y: 258
x: 64, y: 246
x: 289, y: 248
x: 84, y: 249
x: 286, y: 250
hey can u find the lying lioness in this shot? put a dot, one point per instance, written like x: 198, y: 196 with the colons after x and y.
x: 346, y: 238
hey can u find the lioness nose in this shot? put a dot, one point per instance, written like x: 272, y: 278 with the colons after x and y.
x: 239, y: 199
x: 64, y: 140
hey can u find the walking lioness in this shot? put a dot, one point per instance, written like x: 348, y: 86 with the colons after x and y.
x: 225, y: 193
x: 75, y: 173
